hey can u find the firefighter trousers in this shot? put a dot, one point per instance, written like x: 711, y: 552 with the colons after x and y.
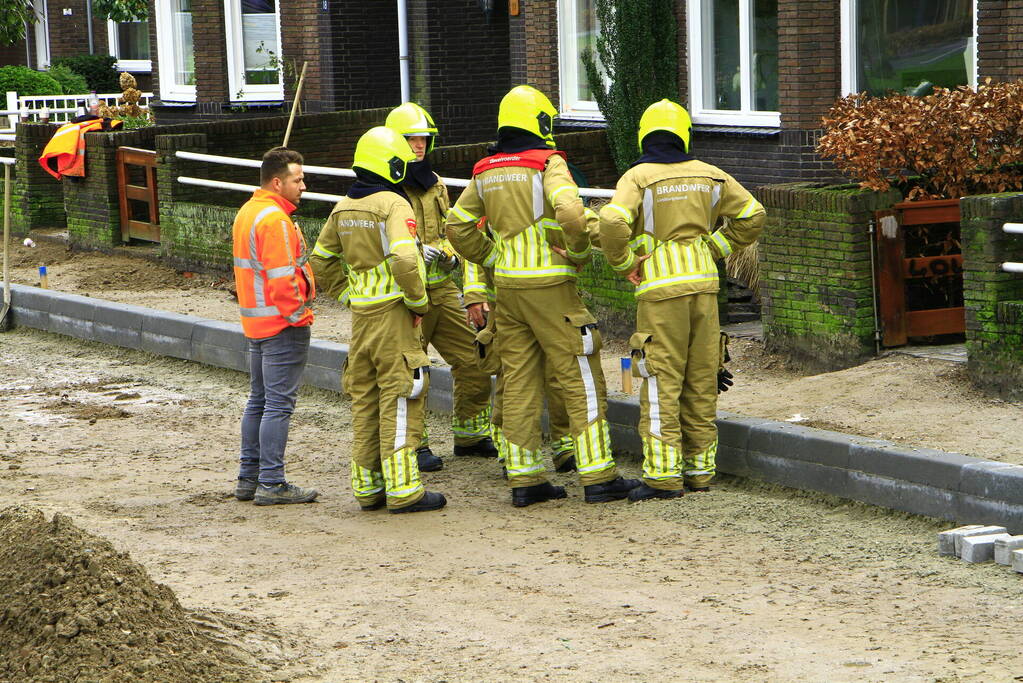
x: 551, y: 325
x: 387, y: 375
x: 445, y: 328
x: 676, y: 351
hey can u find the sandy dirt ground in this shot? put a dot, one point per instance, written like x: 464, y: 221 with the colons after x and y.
x: 915, y: 402
x: 747, y: 583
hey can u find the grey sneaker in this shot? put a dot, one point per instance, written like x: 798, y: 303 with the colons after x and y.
x: 283, y: 494
x: 245, y: 489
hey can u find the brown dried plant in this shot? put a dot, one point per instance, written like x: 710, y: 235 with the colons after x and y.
x: 948, y: 144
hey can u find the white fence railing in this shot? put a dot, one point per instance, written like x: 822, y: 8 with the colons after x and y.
x: 1013, y: 266
x: 321, y: 170
x: 61, y: 108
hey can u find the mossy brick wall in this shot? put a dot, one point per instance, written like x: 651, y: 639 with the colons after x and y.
x: 37, y: 199
x: 993, y: 299
x: 816, y: 288
x: 91, y: 203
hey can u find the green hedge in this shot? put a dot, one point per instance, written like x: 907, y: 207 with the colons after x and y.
x: 70, y: 82
x: 25, y: 81
x: 97, y: 70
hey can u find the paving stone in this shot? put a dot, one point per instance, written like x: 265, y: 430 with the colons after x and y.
x: 978, y: 549
x: 947, y: 539
x: 1004, y: 548
x: 979, y: 531
x: 1017, y: 561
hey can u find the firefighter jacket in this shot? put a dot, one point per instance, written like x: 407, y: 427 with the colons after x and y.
x: 366, y: 255
x: 669, y: 211
x: 273, y: 280
x: 430, y: 207
x: 531, y: 203
x: 64, y: 154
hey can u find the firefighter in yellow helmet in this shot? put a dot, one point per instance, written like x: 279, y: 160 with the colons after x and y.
x: 659, y: 232
x: 367, y: 257
x: 444, y: 324
x: 532, y: 204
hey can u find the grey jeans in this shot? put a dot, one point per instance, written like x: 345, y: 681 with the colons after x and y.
x: 275, y: 367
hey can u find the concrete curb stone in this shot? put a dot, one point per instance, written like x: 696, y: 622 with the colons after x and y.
x: 921, y: 481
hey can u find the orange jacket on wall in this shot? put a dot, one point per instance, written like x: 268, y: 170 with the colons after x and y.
x: 273, y: 280
x: 64, y: 154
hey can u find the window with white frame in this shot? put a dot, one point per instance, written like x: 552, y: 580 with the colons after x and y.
x: 733, y: 62
x: 129, y: 42
x: 908, y: 47
x: 253, y: 49
x: 577, y: 33
x: 176, y: 50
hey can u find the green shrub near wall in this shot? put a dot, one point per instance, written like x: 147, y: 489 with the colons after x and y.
x: 815, y: 272
x: 993, y: 299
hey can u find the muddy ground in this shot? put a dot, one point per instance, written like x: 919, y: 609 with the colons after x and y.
x: 748, y: 583
x: 912, y: 401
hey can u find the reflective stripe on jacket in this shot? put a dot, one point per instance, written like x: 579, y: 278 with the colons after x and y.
x: 532, y: 204
x: 64, y: 154
x: 366, y: 255
x: 669, y: 211
x: 273, y: 279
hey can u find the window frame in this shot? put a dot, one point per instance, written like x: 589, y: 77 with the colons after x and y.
x: 132, y: 65
x: 848, y: 44
x: 717, y: 117
x: 165, y: 50
x: 235, y: 46
x: 568, y: 75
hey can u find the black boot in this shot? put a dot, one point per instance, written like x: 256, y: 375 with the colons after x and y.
x: 429, y: 501
x: 538, y: 493
x: 615, y: 489
x: 484, y: 448
x: 698, y: 489
x: 428, y: 462
x: 644, y: 492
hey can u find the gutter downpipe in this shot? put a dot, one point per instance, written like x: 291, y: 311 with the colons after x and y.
x: 873, y: 285
x: 406, y: 94
x: 88, y: 17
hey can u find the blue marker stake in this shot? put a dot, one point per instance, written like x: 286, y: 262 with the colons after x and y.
x: 44, y: 279
x: 627, y: 374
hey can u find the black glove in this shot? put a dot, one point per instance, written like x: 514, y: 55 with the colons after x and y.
x: 724, y: 380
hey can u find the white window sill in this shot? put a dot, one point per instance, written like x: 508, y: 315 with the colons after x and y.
x: 134, y: 65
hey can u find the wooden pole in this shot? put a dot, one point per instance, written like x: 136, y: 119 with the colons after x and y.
x: 294, y: 106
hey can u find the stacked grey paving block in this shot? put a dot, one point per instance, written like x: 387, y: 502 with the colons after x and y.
x: 943, y: 485
x: 1004, y: 548
x: 1017, y: 561
x: 978, y: 549
x: 947, y: 539
x: 979, y: 531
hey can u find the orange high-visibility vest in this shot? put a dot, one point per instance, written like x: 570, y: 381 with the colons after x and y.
x: 273, y: 279
x: 64, y: 154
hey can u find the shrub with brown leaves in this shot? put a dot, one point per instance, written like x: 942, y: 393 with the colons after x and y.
x: 955, y: 142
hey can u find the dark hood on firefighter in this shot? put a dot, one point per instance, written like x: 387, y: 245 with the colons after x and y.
x: 368, y: 183
x: 511, y: 140
x: 420, y: 174
x: 662, y: 147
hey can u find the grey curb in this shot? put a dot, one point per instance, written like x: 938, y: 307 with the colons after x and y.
x: 921, y: 481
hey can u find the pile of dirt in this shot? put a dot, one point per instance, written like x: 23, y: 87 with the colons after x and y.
x: 74, y: 609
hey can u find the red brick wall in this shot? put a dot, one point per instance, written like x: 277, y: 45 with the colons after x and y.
x: 1000, y: 29
x: 209, y: 37
x: 305, y: 38
x: 809, y: 60
x: 69, y: 35
x: 540, y: 25
x: 460, y: 82
x: 14, y: 54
